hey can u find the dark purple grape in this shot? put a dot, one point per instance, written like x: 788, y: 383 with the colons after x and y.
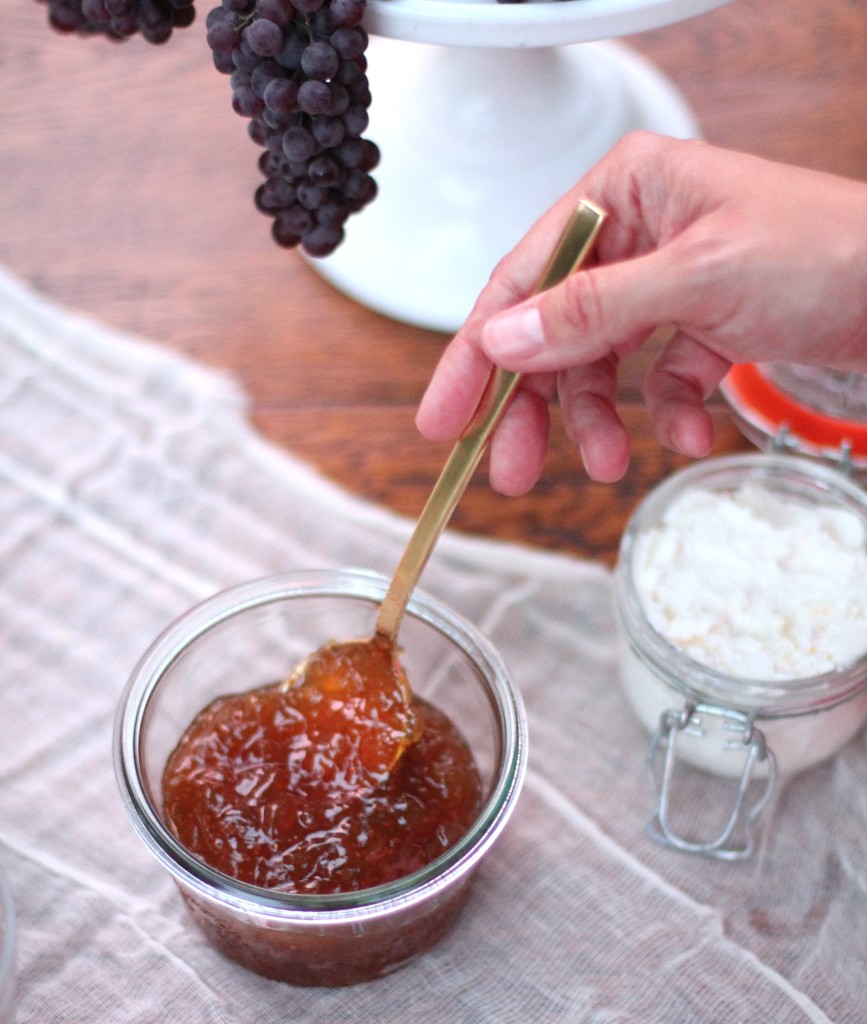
x: 258, y: 132
x: 223, y: 63
x: 322, y: 240
x: 359, y: 187
x: 243, y: 59
x: 275, y: 121
x: 356, y: 121
x: 348, y: 72
x: 369, y: 155
x: 95, y: 10
x: 348, y: 43
x: 264, y: 38
x: 157, y: 34
x: 282, y: 235
x: 297, y: 219
x: 320, y: 60
x: 296, y: 170
x: 333, y: 212
x: 122, y: 27
x: 346, y: 13
x: 309, y: 195
x: 299, y: 144
x: 274, y: 145
x: 246, y: 103
x: 274, y: 195
x: 350, y: 152
x: 263, y: 74
x: 314, y: 97
x: 280, y: 12
x: 339, y: 98
x: 281, y: 95
x: 63, y: 20
x: 321, y: 24
x: 270, y: 165
x: 290, y: 56
x: 222, y: 37
x: 329, y: 132
x: 359, y: 91
x: 326, y: 171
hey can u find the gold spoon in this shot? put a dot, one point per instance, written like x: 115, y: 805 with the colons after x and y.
x: 572, y: 249
x: 358, y: 687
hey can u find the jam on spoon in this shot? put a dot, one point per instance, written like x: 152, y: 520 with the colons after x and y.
x: 357, y: 701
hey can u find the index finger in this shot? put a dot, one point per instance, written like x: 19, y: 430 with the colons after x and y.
x: 459, y: 380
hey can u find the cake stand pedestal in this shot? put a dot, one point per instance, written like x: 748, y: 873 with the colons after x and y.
x: 485, y: 114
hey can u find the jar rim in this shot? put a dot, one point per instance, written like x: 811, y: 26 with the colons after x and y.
x: 352, y: 583
x: 759, y: 697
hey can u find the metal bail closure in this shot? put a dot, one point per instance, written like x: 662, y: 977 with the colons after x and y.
x: 841, y: 456
x: 743, y: 816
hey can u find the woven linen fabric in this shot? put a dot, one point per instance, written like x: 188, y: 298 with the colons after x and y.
x: 131, y: 487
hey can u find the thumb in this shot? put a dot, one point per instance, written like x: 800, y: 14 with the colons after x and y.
x: 590, y: 314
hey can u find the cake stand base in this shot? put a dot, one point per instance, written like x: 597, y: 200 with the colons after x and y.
x: 476, y: 144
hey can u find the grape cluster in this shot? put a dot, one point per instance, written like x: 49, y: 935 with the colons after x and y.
x: 298, y: 73
x: 119, y: 19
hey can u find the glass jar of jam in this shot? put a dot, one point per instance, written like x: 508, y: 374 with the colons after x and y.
x: 251, y: 636
x: 741, y: 598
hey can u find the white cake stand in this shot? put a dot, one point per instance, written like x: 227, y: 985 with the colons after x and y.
x: 485, y: 113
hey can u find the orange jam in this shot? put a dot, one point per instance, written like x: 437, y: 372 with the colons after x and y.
x: 324, y: 784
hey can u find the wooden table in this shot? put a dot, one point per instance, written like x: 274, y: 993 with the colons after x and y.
x: 125, y: 192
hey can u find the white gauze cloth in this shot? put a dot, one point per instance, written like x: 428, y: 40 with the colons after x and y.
x: 131, y: 487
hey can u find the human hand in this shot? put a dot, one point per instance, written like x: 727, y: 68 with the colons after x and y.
x: 746, y: 259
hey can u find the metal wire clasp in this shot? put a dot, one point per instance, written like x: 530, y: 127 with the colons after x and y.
x: 841, y: 456
x: 746, y: 737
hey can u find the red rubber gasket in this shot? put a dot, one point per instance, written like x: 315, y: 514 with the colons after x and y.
x: 750, y: 392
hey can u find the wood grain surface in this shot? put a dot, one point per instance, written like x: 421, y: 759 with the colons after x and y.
x: 126, y: 192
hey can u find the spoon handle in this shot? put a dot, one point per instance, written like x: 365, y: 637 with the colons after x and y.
x: 573, y: 247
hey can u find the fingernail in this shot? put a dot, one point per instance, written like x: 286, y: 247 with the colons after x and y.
x: 513, y: 334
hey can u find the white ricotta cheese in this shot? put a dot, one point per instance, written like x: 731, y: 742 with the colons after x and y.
x: 756, y: 586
